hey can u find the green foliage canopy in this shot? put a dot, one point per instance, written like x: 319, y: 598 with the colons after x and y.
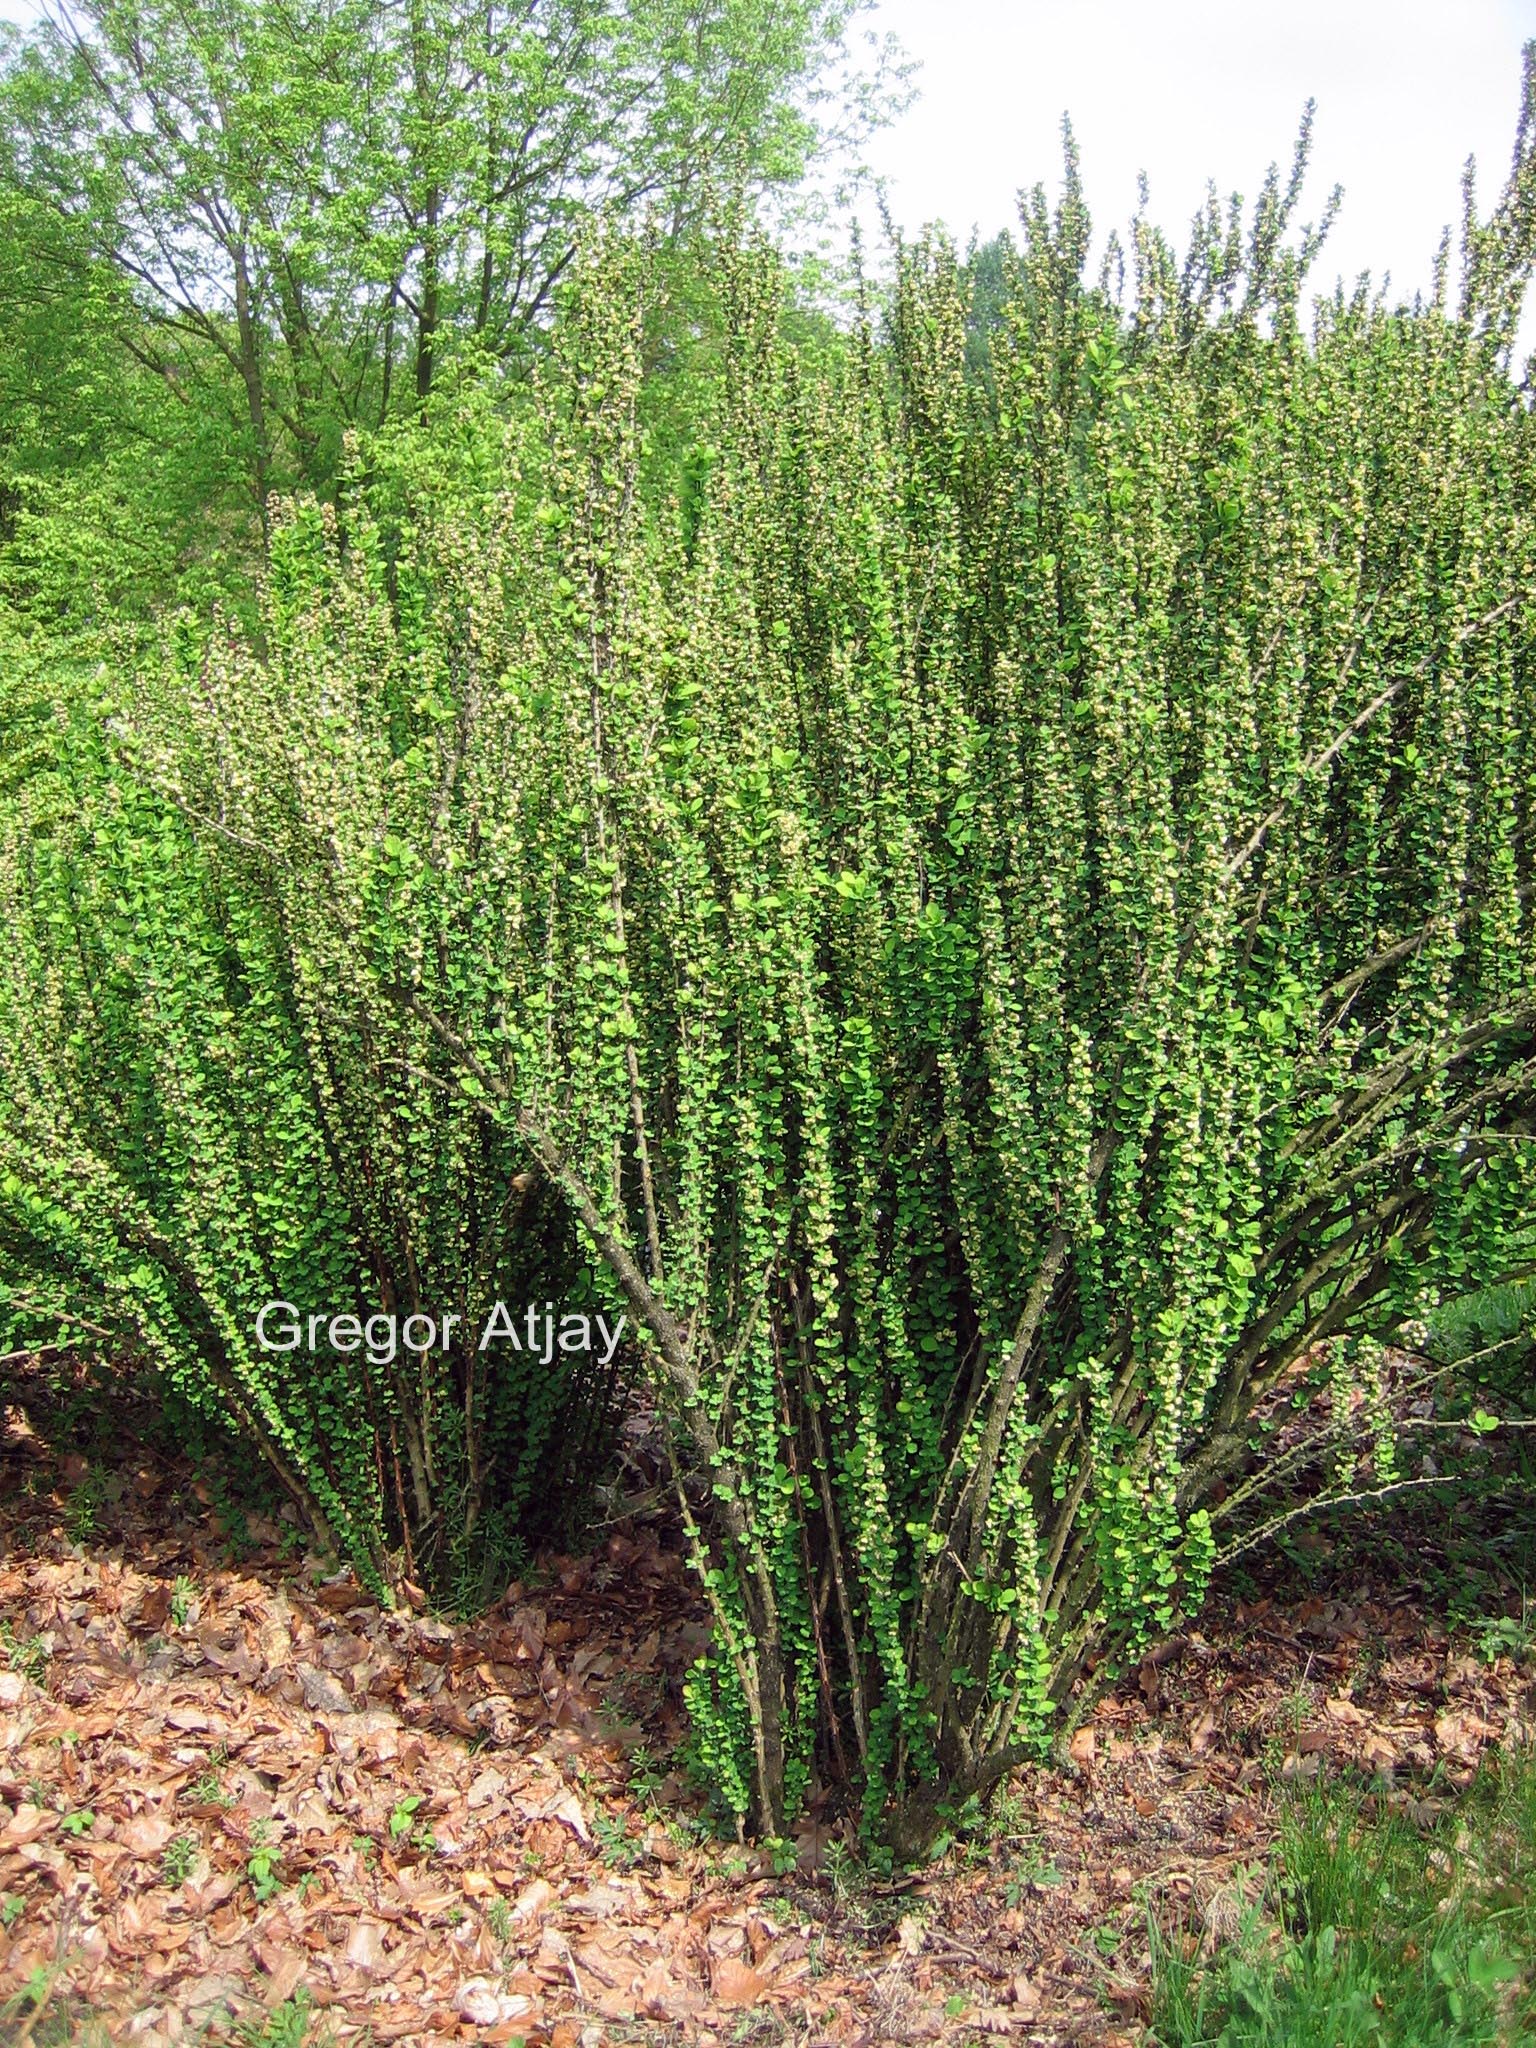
x: 303, y: 208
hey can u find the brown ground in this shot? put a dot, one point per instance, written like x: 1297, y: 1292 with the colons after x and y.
x: 227, y: 1778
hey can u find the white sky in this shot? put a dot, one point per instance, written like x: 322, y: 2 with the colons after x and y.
x: 1188, y: 90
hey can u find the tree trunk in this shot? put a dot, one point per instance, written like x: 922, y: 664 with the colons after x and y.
x: 250, y: 371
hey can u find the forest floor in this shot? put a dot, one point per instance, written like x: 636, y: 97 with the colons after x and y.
x: 240, y: 1802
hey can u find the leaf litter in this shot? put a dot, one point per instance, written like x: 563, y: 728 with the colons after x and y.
x: 228, y: 1779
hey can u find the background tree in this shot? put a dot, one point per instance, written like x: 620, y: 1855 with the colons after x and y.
x: 310, y: 205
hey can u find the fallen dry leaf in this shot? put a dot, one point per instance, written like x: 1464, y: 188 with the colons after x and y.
x: 533, y: 1899
x: 365, y: 1945
x: 662, y: 1997
x: 27, y: 1824
x: 287, y: 1975
x: 482, y: 2005
x: 1461, y: 1733
x: 566, y: 1808
x: 738, y: 1983
x: 1025, y: 1996
x: 146, y: 1834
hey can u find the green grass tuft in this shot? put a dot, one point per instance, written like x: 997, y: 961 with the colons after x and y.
x: 1372, y: 1932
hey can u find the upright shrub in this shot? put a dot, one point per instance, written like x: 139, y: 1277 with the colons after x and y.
x: 200, y: 1120
x: 1005, y: 934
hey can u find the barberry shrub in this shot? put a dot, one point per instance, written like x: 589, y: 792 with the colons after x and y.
x: 203, y: 1117
x: 1003, y: 936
